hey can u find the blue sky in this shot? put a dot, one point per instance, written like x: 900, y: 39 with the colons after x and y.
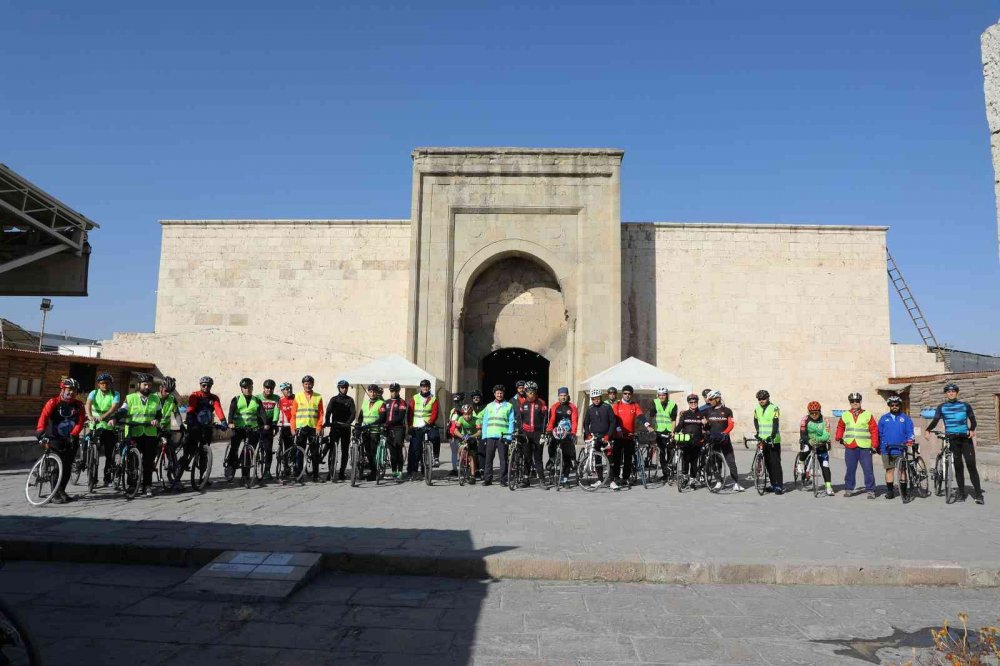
x: 840, y: 113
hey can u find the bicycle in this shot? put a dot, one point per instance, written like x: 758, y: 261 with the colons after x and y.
x: 359, y: 458
x: 944, y: 469
x: 427, y: 455
x: 712, y: 465
x: 593, y: 468
x: 758, y: 470
x: 291, y: 462
x: 166, y: 463
x: 651, y: 461
x: 464, y: 469
x: 87, y: 458
x: 690, y: 481
x: 382, y: 462
x: 15, y: 645
x: 44, y: 476
x: 128, y: 466
x: 201, y: 461
x: 639, y: 462
x: 911, y: 467
x: 516, y: 460
x: 669, y: 466
x: 808, y: 471
x: 249, y: 461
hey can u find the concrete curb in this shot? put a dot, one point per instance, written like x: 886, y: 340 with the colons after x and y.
x: 500, y: 567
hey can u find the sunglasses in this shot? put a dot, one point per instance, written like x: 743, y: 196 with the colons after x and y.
x: 692, y: 402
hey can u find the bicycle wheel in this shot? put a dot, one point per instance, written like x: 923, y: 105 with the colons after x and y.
x: 463, y: 464
x: 164, y: 470
x: 331, y: 458
x: 93, y: 462
x: 670, y: 467
x: 15, y: 645
x: 295, y: 463
x: 381, y: 460
x: 43, y: 479
x: 759, y: 473
x: 949, y: 480
x: 201, y: 467
x: 817, y: 472
x: 557, y: 468
x: 132, y: 472
x: 593, y: 471
x: 428, y: 462
x: 652, y: 464
x: 639, y: 463
x: 515, y: 467
x: 247, y: 466
x: 259, y: 465
x: 79, y: 463
x: 938, y: 474
x: 922, y: 482
x: 899, y: 470
x: 355, y: 462
x: 715, y: 463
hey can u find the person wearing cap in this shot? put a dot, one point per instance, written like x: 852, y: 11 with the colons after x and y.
x: 340, y: 413
x: 100, y: 406
x: 664, y: 413
x: 204, y: 408
x: 628, y: 417
x: 457, y: 402
x: 599, y: 424
x: 766, y: 423
x: 61, y: 422
x: 396, y: 416
x: 269, y: 401
x: 423, y: 418
x: 612, y: 396
x: 143, y: 412
x: 814, y: 431
x: 563, y: 417
x: 307, y: 421
x: 520, y: 393
x: 857, y: 430
x: 706, y: 406
x: 690, y: 436
x: 530, y: 419
x: 467, y: 428
x: 960, y: 427
x: 497, y: 421
x: 895, y: 435
x: 720, y: 425
x: 371, y: 414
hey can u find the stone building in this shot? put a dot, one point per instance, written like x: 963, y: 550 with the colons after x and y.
x: 515, y: 262
x: 990, y: 43
x: 980, y: 389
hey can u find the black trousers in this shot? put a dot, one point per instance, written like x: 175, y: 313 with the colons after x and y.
x: 534, y: 455
x: 666, y: 450
x: 306, y: 438
x: 963, y: 448
x: 106, y: 440
x: 622, y: 450
x: 368, y: 441
x: 394, y: 438
x: 689, y: 457
x: 251, y: 435
x: 772, y: 458
x: 494, y: 445
x: 567, y: 448
x: 267, y: 447
x: 341, y: 436
x: 197, y: 436
x: 148, y: 446
x: 66, y: 450
x: 724, y: 445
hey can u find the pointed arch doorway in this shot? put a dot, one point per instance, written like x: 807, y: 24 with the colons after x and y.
x: 506, y: 366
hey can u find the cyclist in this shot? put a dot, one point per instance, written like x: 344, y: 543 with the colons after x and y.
x: 858, y: 431
x: 268, y: 399
x: 895, y: 435
x: 457, y: 401
x: 530, y: 419
x: 372, y: 413
x: 170, y: 421
x: 690, y: 436
x: 467, y: 428
x: 562, y: 426
x: 599, y: 423
x: 960, y: 426
x: 284, y: 427
x: 340, y: 413
x: 247, y: 420
x: 102, y: 403
x: 307, y: 420
x: 706, y: 405
x: 477, y: 408
x: 720, y: 425
x: 497, y: 421
x: 664, y: 421
x: 203, y: 408
x: 423, y: 417
x: 627, y: 414
x: 612, y: 395
x: 814, y: 427
x: 143, y: 411
x: 766, y: 417
x: 520, y: 393
x: 61, y: 420
x: 396, y: 412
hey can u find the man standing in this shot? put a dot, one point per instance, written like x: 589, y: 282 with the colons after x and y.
x: 720, y: 425
x: 203, y: 410
x: 520, y: 393
x: 960, y: 426
x: 102, y: 403
x: 599, y: 423
x: 246, y: 419
x: 142, y: 409
x: 765, y: 421
x: 858, y: 431
x: 530, y: 419
x: 691, y: 426
x: 269, y: 401
x: 562, y: 424
x: 340, y: 413
x: 706, y: 406
x: 396, y: 417
x: 498, y: 427
x: 627, y: 415
x: 665, y: 419
x: 423, y: 417
x: 370, y: 415
x: 307, y: 421
x: 285, y: 405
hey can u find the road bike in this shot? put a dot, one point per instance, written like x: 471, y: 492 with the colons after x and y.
x: 201, y: 459
x: 758, y: 468
x: 517, y: 475
x: 311, y: 443
x: 44, y: 476
x: 944, y: 469
x: 16, y: 646
x: 427, y: 455
x: 593, y: 467
x: 128, y: 465
x: 672, y: 452
x: 291, y: 465
x: 382, y: 461
x: 166, y: 469
x: 712, y: 465
x: 249, y: 461
x: 359, y: 458
x: 639, y: 471
x: 910, y: 468
x: 808, y: 473
x: 87, y: 459
x: 464, y: 458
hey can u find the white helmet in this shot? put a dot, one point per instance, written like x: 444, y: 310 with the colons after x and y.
x: 596, y: 393
x: 662, y: 390
x: 713, y: 395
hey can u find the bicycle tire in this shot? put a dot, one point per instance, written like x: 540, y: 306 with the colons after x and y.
x: 760, y: 473
x: 557, y: 467
x: 297, y: 465
x: 201, y: 473
x: 246, y: 466
x: 922, y: 480
x: 593, y: 468
x: 355, y: 461
x: 15, y: 645
x: 949, y: 480
x: 131, y: 472
x: 640, y: 467
x: 899, y: 470
x: 817, y: 472
x: 428, y: 462
x: 331, y: 458
x: 93, y: 466
x: 164, y: 470
x: 79, y: 463
x: 259, y: 465
x: 938, y: 474
x: 381, y: 460
x: 715, y: 463
x: 515, y: 467
x: 653, y: 464
x: 670, y: 468
x: 40, y: 478
x: 679, y: 471
x: 463, y: 464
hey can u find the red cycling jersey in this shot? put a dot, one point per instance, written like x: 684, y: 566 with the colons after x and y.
x: 627, y: 414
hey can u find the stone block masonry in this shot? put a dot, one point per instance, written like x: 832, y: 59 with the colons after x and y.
x: 990, y: 43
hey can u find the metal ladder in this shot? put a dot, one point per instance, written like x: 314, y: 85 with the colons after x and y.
x: 910, y: 303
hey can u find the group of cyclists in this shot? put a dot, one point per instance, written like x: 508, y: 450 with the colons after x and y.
x: 480, y: 431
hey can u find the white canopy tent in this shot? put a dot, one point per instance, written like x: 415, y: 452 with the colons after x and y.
x: 392, y: 368
x: 640, y: 375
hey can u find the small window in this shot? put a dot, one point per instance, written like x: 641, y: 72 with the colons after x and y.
x: 12, y: 386
x: 22, y: 387
x: 36, y: 386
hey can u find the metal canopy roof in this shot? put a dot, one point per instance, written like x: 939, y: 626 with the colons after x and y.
x: 35, y: 226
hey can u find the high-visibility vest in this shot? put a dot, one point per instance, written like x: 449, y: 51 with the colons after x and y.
x: 856, y: 429
x: 306, y: 410
x: 663, y: 422
x: 141, y: 414
x: 370, y: 410
x: 101, y: 403
x: 765, y: 421
x: 422, y: 410
x: 497, y: 419
x: 246, y: 412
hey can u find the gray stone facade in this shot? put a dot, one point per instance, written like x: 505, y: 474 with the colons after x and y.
x: 990, y: 43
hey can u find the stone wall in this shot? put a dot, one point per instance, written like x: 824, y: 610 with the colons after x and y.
x: 274, y: 298
x: 744, y: 307
x: 981, y: 390
x: 990, y: 43
x: 911, y: 360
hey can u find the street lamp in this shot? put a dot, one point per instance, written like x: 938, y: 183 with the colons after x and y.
x: 44, y: 307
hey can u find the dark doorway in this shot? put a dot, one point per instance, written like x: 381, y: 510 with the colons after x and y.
x: 85, y: 373
x: 506, y: 366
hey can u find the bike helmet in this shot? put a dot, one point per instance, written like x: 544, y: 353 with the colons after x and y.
x: 467, y: 408
x: 285, y: 385
x: 425, y: 383
x: 694, y: 397
x: 69, y: 383
x: 596, y: 393
x: 520, y: 383
x: 458, y: 398
x: 662, y: 390
x: 476, y: 394
x: 951, y: 386
x: 379, y: 391
x: 246, y: 382
x: 763, y: 395
x: 612, y: 389
x: 714, y: 394
x: 206, y: 380
x: 269, y: 383
x: 531, y: 386
x: 705, y: 393
x: 894, y: 400
x: 499, y: 387
x: 394, y: 386
x: 343, y: 383
x: 854, y: 397
x: 104, y: 377
x: 169, y: 384
x: 142, y: 377
x: 814, y: 407
x: 308, y: 378
x: 373, y: 388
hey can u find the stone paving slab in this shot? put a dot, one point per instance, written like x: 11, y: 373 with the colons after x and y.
x: 656, y: 534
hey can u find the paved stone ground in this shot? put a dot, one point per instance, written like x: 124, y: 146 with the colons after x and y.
x: 92, y: 614
x: 634, y: 527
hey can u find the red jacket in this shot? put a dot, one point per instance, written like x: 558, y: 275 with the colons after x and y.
x: 627, y: 413
x: 285, y: 407
x: 559, y: 411
x: 872, y: 428
x: 50, y: 417
x: 531, y: 416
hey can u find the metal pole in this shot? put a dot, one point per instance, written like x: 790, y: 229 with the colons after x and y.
x: 41, y: 335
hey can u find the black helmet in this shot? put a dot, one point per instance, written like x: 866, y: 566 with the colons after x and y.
x: 425, y: 382
x: 761, y: 395
x: 104, y: 377
x: 70, y: 383
x: 612, y: 389
x: 894, y: 400
x: 169, y: 384
x: 520, y: 383
x: 343, y: 384
x: 206, y: 380
x: 854, y: 397
x: 476, y: 394
x: 269, y: 383
x: 246, y: 382
x: 628, y: 387
x: 499, y: 387
x: 951, y: 386
x: 705, y: 393
x: 373, y: 388
x: 308, y: 378
x: 394, y: 386
x: 143, y: 377
x: 458, y: 398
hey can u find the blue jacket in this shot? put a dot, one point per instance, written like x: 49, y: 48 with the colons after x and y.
x: 894, y: 431
x: 957, y: 417
x: 498, y: 420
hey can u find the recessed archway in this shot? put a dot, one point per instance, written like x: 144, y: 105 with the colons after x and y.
x: 506, y: 366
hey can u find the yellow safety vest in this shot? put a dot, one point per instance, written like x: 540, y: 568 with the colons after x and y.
x: 142, y: 414
x: 306, y: 410
x: 370, y: 410
x: 663, y: 422
x: 765, y: 421
x: 856, y: 430
x: 422, y: 410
